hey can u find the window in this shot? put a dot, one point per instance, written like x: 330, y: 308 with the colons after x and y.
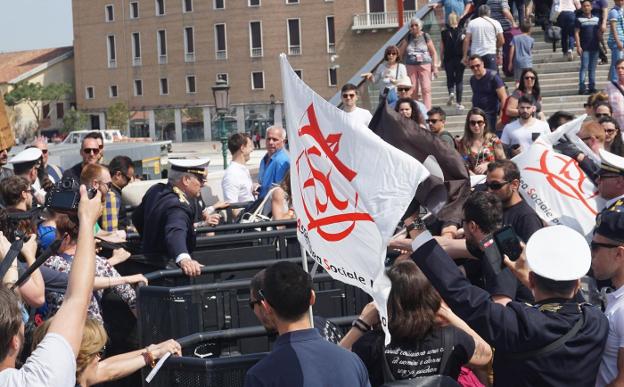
x: 60, y: 110
x: 220, y: 41
x: 138, y: 87
x: 160, y: 7
x: 292, y: 1
x: 409, y: 5
x: 136, y: 49
x: 111, y: 50
x: 255, y: 39
x: 294, y: 37
x: 257, y: 80
x: 164, y: 86
x: 189, y: 44
x: 45, y: 110
x: 187, y: 6
x: 222, y: 77
x: 190, y: 84
x: 333, y: 76
x: 112, y: 91
x: 161, y: 41
x: 253, y: 3
x: 299, y: 73
x: 109, y: 13
x: 134, y: 10
x: 331, y: 35
x: 219, y: 4
x: 89, y: 92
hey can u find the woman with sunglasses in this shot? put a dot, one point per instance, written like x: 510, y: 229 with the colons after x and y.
x: 389, y: 72
x: 479, y: 146
x: 601, y: 110
x: 613, y: 136
x: 407, y: 108
x: 92, y: 368
x: 529, y: 85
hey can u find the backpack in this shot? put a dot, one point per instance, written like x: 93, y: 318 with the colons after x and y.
x: 552, y: 34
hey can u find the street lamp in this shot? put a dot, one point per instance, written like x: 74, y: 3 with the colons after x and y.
x: 220, y: 92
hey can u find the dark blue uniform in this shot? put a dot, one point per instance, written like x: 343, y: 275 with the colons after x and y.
x: 519, y: 328
x: 165, y: 221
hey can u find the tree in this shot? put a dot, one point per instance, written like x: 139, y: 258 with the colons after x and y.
x: 35, y: 95
x: 117, y: 116
x: 74, y: 120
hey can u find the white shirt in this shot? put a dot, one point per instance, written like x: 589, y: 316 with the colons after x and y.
x: 516, y: 133
x: 51, y: 364
x: 615, y: 339
x: 483, y: 32
x: 237, y: 184
x: 360, y: 115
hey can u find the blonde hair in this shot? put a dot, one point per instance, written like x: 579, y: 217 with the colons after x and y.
x: 93, y: 340
x: 453, y: 19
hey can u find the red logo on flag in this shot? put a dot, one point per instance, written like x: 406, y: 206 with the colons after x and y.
x: 320, y: 169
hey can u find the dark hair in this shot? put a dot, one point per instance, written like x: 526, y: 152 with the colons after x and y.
x: 553, y: 120
x: 561, y: 289
x: 25, y: 167
x: 95, y: 135
x: 67, y: 226
x: 347, y: 87
x: 617, y: 146
x: 416, y: 115
x: 287, y: 288
x: 535, y: 92
x: 392, y: 48
x: 525, y: 27
x: 468, y: 136
x: 10, y: 319
x: 257, y: 282
x: 120, y: 164
x: 412, y: 303
x: 619, y: 62
x: 526, y: 99
x: 475, y: 56
x: 598, y: 104
x: 485, y: 209
x: 437, y: 110
x: 236, y: 142
x: 510, y: 169
x: 12, y: 188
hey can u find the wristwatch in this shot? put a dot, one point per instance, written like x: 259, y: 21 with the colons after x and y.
x: 418, y: 224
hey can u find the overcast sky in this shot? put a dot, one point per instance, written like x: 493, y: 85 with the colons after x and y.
x: 30, y: 24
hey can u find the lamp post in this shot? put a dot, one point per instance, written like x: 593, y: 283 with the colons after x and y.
x: 220, y: 92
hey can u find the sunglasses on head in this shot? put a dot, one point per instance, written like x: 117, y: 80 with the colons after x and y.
x: 496, y: 185
x: 94, y: 151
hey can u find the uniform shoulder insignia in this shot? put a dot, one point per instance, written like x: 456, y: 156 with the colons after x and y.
x: 550, y: 307
x: 181, y: 195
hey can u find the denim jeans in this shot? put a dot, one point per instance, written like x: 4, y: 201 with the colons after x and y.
x: 589, y: 60
x: 566, y: 22
x: 615, y: 56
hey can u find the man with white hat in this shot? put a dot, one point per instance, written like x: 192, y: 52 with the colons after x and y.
x: 166, y: 214
x: 26, y: 164
x: 557, y: 341
x: 611, y: 180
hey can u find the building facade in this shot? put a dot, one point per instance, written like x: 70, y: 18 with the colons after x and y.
x: 162, y: 57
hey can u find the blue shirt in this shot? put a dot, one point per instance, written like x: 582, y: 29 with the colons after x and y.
x: 272, y: 172
x: 304, y: 359
x: 615, y: 14
x: 456, y: 6
x: 523, y: 44
x: 588, y: 31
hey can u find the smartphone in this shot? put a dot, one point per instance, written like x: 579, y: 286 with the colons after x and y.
x: 492, y: 255
x: 508, y: 242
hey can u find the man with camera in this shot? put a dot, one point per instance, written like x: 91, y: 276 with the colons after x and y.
x: 556, y: 341
x: 165, y: 217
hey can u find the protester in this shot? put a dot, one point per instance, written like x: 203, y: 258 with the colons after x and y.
x: 419, y: 322
x: 488, y: 90
x: 275, y: 163
x: 299, y: 353
x: 90, y: 152
x: 349, y: 105
x: 388, y: 72
x: 114, y: 215
x: 484, y: 36
x: 616, y: 38
x: 613, y: 136
x: 421, y: 61
x: 529, y: 86
x: 615, y: 90
x: 565, y: 20
x: 559, y: 118
x: 479, y: 146
x: 237, y: 184
x: 451, y: 46
x: 587, y: 36
x: 520, y: 56
x: 520, y: 134
x: 436, y: 119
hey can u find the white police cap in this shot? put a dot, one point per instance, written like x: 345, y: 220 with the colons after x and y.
x: 558, y: 253
x: 196, y: 166
x: 28, y: 155
x: 611, y: 162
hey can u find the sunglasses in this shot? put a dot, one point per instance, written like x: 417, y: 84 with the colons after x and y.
x: 530, y: 78
x: 348, y: 95
x: 108, y: 185
x: 392, y: 53
x: 403, y: 88
x: 609, y: 131
x: 496, y: 185
x: 600, y: 115
x: 93, y: 151
x: 432, y: 121
x: 596, y: 245
x: 474, y: 123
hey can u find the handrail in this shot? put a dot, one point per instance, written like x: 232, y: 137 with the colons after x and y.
x: 377, y: 57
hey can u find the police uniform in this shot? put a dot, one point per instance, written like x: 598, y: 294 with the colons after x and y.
x: 27, y: 158
x: 612, y: 163
x: 518, y: 329
x: 165, y: 218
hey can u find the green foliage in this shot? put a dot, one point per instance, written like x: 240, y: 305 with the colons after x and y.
x: 74, y: 120
x: 117, y: 116
x: 35, y: 95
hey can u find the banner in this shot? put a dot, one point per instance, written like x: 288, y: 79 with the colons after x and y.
x: 349, y: 189
x: 555, y: 186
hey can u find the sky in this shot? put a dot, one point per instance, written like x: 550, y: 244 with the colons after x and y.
x: 31, y: 24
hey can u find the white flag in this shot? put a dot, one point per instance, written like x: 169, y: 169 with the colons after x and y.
x: 555, y: 186
x: 349, y: 189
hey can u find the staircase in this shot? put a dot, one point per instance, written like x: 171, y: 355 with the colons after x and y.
x: 558, y: 82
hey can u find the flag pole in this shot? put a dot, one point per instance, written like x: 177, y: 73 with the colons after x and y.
x: 304, y: 263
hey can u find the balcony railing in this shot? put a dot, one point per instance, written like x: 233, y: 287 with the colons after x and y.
x: 294, y: 50
x: 162, y: 59
x: 136, y: 61
x: 257, y: 52
x: 377, y: 20
x: 221, y: 54
x: 189, y: 57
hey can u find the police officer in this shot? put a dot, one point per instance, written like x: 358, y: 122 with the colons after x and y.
x: 165, y: 216
x: 26, y: 164
x: 556, y: 342
x: 611, y: 180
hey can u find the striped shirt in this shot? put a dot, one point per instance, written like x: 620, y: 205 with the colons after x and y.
x: 616, y: 14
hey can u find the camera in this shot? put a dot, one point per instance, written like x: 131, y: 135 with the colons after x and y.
x: 65, y: 196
